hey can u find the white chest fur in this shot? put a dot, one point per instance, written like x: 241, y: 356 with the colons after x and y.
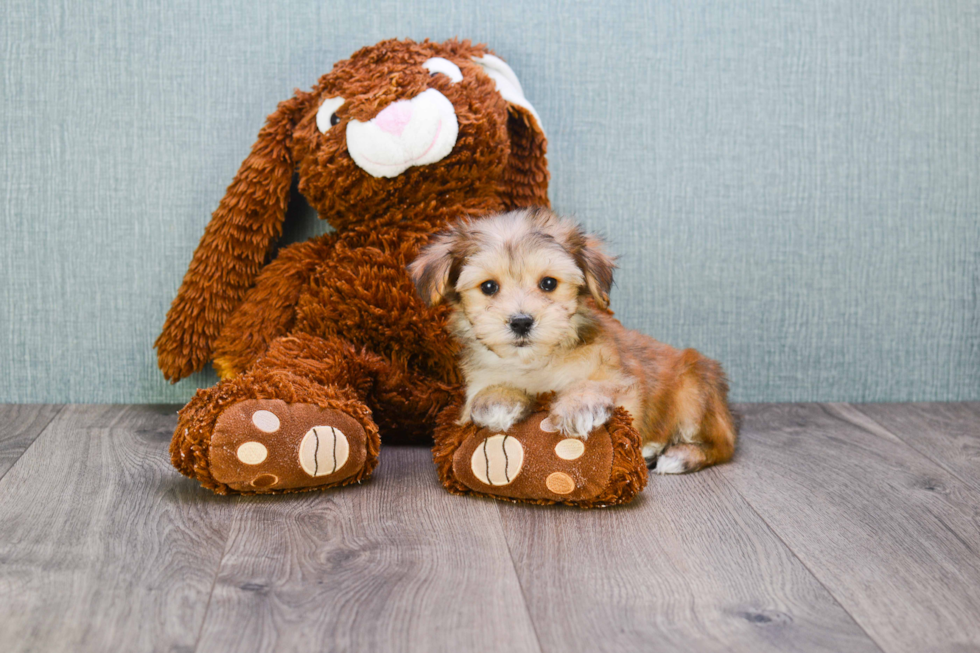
x: 550, y: 373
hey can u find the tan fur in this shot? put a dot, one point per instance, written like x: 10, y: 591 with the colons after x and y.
x: 575, y: 348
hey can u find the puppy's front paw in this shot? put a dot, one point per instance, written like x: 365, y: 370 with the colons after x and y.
x: 499, y: 407
x: 578, y: 415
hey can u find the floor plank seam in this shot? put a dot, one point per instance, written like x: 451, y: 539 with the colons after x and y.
x: 513, y: 565
x: 971, y: 484
x: 44, y: 429
x: 214, y: 581
x: 801, y: 561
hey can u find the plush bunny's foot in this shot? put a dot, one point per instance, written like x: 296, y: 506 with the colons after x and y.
x: 234, y: 443
x: 265, y: 445
x: 534, y: 462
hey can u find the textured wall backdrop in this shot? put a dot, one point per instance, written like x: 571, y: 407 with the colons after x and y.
x: 793, y: 187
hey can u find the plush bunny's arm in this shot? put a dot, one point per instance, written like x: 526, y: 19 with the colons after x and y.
x: 269, y: 308
x: 235, y: 246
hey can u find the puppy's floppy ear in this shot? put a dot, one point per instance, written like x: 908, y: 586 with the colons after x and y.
x: 235, y: 246
x: 435, y: 270
x: 597, y: 266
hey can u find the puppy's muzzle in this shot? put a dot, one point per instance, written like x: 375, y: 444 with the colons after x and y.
x: 521, y: 324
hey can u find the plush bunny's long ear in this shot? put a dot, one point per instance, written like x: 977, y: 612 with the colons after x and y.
x: 526, y: 174
x: 235, y: 246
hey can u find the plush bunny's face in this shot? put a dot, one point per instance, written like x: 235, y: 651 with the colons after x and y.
x: 402, y: 122
x: 406, y: 133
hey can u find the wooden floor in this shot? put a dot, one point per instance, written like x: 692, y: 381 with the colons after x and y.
x: 837, y: 528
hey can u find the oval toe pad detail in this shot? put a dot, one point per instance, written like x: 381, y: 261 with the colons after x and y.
x: 497, y: 460
x: 323, y: 451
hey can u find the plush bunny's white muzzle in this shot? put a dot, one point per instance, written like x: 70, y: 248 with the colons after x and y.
x: 406, y: 133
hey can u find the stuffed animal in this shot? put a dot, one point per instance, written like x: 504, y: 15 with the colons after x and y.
x: 326, y: 350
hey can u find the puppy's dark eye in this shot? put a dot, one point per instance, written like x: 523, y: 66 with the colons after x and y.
x: 334, y: 120
x: 548, y: 284
x: 489, y: 288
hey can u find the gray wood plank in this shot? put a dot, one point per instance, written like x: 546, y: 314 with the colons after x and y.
x: 687, y: 567
x: 396, y: 564
x: 104, y: 546
x: 894, y: 537
x: 20, y: 424
x: 947, y: 434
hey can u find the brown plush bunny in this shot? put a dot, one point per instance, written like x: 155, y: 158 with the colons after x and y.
x: 329, y: 343
x: 328, y: 346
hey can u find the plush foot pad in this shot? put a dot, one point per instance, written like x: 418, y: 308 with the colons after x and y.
x: 533, y: 462
x: 267, y: 445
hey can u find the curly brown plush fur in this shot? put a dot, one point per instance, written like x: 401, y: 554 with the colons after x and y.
x: 335, y: 322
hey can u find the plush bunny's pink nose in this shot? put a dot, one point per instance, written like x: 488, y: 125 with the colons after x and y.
x: 394, y: 117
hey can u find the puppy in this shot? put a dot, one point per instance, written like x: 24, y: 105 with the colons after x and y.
x: 529, y: 292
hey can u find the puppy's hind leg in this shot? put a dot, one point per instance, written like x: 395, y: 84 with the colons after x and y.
x: 705, y: 430
x: 713, y: 444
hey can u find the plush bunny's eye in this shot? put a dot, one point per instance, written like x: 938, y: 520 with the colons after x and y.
x: 437, y: 65
x: 326, y: 117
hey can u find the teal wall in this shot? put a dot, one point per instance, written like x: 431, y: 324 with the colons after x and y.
x: 792, y: 187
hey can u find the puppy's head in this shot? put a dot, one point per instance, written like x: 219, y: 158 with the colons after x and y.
x: 520, y: 282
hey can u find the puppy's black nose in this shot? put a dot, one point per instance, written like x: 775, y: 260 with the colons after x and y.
x: 521, y: 324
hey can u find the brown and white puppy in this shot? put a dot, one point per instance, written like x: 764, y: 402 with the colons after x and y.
x: 529, y: 292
